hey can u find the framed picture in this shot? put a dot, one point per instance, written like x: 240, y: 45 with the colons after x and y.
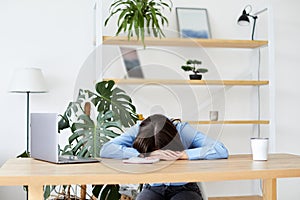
x: 132, y: 62
x: 193, y: 22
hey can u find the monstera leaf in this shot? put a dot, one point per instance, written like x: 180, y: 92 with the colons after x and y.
x: 74, y: 109
x: 89, y: 136
x: 112, y: 98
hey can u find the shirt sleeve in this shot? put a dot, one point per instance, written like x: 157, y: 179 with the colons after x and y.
x: 121, y: 146
x: 199, y: 145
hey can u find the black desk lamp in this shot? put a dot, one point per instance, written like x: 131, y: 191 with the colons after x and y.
x: 244, y: 18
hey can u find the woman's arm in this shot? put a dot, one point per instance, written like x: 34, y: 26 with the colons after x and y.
x: 199, y: 145
x: 121, y: 146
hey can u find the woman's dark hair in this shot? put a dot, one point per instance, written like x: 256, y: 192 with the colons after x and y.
x: 157, y: 132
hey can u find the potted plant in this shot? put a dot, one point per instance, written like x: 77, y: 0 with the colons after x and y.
x: 137, y: 15
x: 191, y: 65
x: 113, y: 111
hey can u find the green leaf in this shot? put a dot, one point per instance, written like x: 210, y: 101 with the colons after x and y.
x: 113, y: 98
x: 89, y: 137
x: 201, y: 70
x: 96, y: 190
x: 114, y: 192
x: 25, y: 154
x: 110, y: 192
x: 187, y: 68
x: 63, y: 123
x: 47, y: 191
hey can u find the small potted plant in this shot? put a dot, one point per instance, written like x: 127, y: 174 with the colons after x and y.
x: 191, y: 65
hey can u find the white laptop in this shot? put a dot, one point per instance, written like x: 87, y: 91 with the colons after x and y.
x: 45, y: 140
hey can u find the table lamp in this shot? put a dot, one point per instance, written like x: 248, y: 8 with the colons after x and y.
x: 244, y: 18
x: 28, y: 80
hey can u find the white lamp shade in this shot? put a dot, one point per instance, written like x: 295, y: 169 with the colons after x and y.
x: 28, y: 80
x: 243, y: 23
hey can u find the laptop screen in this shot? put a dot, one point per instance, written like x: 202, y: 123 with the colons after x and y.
x: 44, y: 136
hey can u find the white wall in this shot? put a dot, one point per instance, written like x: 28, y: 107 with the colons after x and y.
x: 287, y: 31
x: 57, y: 37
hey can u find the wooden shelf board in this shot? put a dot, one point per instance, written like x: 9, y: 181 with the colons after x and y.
x: 256, y: 197
x: 190, y: 82
x: 231, y: 122
x: 186, y: 42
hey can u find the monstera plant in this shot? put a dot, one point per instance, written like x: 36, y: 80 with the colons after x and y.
x: 113, y: 111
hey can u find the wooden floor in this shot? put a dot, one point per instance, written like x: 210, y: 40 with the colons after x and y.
x: 237, y: 198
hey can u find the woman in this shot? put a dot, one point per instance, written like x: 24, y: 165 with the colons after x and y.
x: 159, y: 137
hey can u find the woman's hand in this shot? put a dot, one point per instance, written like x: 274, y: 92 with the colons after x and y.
x: 168, y: 155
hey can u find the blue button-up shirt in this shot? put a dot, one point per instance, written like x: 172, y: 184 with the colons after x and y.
x: 196, y: 144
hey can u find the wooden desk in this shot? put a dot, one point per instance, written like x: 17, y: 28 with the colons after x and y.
x: 35, y: 174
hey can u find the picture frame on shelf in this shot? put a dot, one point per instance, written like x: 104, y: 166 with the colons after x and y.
x: 132, y: 62
x: 193, y: 23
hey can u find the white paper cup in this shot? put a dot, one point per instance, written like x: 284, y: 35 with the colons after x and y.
x: 260, y: 148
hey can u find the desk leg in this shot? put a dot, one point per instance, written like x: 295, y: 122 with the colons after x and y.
x: 269, y: 189
x: 35, y: 191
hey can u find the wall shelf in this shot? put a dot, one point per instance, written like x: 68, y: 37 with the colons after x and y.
x: 190, y: 82
x: 231, y: 122
x: 193, y: 42
x: 185, y: 42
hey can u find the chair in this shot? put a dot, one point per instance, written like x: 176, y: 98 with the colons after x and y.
x: 202, y: 188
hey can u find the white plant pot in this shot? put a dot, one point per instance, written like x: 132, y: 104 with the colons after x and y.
x: 260, y: 148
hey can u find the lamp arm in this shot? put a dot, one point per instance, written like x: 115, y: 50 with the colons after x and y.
x: 254, y: 23
x: 261, y: 11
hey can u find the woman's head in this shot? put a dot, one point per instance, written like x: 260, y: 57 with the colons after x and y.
x: 157, y: 132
